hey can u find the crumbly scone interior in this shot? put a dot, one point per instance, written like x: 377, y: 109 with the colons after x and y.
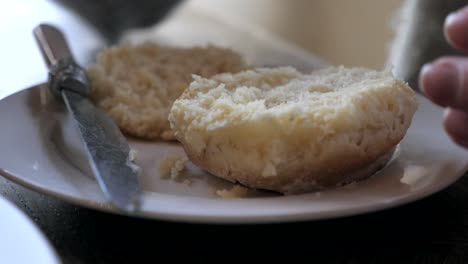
x: 137, y: 84
x: 330, y: 99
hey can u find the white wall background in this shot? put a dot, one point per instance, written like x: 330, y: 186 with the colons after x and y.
x: 348, y: 32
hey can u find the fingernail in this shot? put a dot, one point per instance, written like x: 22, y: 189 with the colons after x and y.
x: 456, y: 15
x: 454, y: 28
x: 454, y: 127
x: 452, y: 17
x: 446, y: 113
x: 449, y: 21
x: 439, y: 82
x: 425, y: 69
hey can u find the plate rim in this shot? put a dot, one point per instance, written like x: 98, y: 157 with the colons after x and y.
x: 225, y: 219
x: 34, y: 232
x: 202, y: 219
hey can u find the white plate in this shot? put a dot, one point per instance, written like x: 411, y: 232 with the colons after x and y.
x: 427, y: 161
x: 20, y: 240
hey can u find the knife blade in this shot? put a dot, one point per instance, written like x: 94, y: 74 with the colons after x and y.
x: 106, y: 148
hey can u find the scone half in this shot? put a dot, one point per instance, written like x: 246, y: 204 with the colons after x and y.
x: 280, y: 130
x: 136, y: 84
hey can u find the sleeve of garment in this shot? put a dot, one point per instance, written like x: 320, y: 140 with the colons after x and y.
x: 419, y: 36
x: 112, y: 17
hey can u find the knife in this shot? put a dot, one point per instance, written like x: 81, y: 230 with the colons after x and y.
x: 106, y: 148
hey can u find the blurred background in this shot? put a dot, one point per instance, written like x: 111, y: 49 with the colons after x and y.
x: 351, y: 33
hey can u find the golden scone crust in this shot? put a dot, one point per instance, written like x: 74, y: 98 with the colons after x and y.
x: 137, y: 84
x: 280, y: 130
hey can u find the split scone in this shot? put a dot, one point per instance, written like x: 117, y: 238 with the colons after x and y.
x: 280, y: 130
x: 137, y: 84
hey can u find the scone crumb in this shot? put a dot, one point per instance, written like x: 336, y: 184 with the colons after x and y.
x: 235, y: 192
x: 187, y: 182
x: 413, y: 174
x: 269, y: 170
x: 171, y: 168
x: 132, y: 155
x: 131, y: 161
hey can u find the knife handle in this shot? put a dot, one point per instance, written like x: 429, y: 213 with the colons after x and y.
x: 64, y: 72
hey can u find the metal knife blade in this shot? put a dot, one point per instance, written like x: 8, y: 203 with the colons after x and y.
x: 106, y: 148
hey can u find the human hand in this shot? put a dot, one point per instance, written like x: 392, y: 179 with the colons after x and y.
x: 445, y: 80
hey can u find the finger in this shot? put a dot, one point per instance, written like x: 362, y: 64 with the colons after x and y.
x: 445, y: 82
x: 456, y: 125
x: 455, y: 29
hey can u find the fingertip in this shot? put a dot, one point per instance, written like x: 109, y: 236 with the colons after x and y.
x: 456, y: 125
x: 450, y: 20
x: 438, y: 81
x: 425, y: 69
x: 455, y: 26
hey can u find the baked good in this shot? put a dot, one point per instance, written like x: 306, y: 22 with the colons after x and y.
x: 280, y: 130
x: 137, y: 84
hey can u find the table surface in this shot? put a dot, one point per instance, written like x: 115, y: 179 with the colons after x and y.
x: 433, y: 230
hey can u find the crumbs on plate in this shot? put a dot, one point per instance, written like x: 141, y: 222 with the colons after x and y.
x: 235, y: 192
x: 172, y: 167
